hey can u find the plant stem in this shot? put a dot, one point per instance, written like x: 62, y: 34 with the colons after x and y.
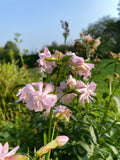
x: 107, y: 107
x: 51, y: 139
x: 50, y: 124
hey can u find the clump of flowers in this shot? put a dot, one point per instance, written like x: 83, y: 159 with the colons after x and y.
x: 90, y: 44
x: 53, y: 98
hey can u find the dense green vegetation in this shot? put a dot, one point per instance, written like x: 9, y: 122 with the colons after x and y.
x: 24, y: 127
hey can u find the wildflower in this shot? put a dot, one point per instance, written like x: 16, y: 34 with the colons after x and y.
x: 58, y: 141
x: 47, y: 65
x: 37, y: 98
x: 4, y: 151
x: 64, y: 98
x: 71, y: 82
x: 62, y: 112
x: 86, y: 91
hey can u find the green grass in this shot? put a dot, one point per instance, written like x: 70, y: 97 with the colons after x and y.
x: 99, y: 78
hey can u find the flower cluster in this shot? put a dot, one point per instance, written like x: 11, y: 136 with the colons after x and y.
x: 84, y: 91
x: 90, y: 44
x: 41, y: 96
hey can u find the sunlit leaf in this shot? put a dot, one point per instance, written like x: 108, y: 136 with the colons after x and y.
x: 117, y: 100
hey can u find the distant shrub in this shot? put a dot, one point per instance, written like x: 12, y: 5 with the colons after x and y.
x: 10, y: 78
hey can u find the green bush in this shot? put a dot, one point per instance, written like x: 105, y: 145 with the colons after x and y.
x: 10, y: 78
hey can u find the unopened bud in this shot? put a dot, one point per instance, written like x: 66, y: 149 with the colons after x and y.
x: 61, y: 140
x: 116, y: 75
x: 16, y: 157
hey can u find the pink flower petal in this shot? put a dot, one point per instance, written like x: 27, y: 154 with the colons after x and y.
x: 0, y: 148
x: 5, y: 148
x: 49, y: 101
x: 12, y: 152
x: 48, y: 88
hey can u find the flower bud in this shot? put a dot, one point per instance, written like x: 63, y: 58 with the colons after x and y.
x: 61, y: 140
x: 16, y: 157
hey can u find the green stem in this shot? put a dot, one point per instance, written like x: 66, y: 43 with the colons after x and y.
x: 57, y: 80
x: 48, y: 155
x: 50, y: 124
x: 53, y: 131
x: 107, y: 107
x: 45, y: 137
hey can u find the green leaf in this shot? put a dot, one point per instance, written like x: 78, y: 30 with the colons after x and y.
x: 117, y: 100
x: 109, y: 158
x: 105, y: 95
x: 108, y: 64
x: 115, y: 151
x: 85, y: 146
x: 93, y: 135
x: 65, y: 58
x: 51, y: 59
x: 15, y: 103
x: 98, y: 54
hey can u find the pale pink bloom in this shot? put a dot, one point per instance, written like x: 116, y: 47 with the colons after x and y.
x: 76, y: 61
x: 80, y: 67
x: 69, y: 54
x: 71, y: 82
x: 84, y: 70
x: 37, y: 97
x: 63, y: 86
x: 4, y: 151
x: 62, y: 112
x: 97, y: 42
x: 66, y: 98
x: 61, y: 140
x: 88, y: 37
x: 47, y: 65
x: 25, y: 92
x: 86, y: 91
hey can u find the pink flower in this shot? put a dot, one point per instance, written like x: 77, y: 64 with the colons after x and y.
x: 66, y: 98
x: 86, y: 91
x: 25, y: 92
x: 62, y: 112
x: 69, y: 54
x: 4, y: 151
x: 88, y: 37
x: 76, y: 61
x: 80, y: 67
x: 84, y: 70
x: 71, y: 82
x: 47, y: 65
x: 37, y: 98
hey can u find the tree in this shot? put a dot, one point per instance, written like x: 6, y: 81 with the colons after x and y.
x: 108, y: 30
x: 11, y: 45
x: 118, y: 8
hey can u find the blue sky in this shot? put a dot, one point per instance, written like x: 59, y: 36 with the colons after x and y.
x: 39, y: 20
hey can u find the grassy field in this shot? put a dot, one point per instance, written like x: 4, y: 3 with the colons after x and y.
x: 99, y: 77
